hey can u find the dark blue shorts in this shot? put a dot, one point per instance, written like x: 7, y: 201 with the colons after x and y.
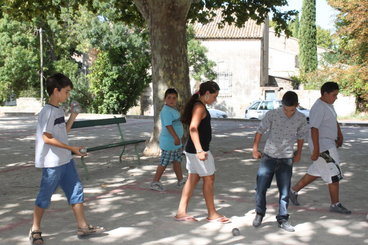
x: 65, y: 176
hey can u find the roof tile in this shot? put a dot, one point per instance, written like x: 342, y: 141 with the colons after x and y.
x: 250, y: 30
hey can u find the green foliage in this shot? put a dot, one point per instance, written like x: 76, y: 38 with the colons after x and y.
x: 324, y: 38
x: 120, y: 72
x: 307, y: 37
x: 201, y: 67
x: 18, y: 58
x: 294, y: 26
x: 238, y: 12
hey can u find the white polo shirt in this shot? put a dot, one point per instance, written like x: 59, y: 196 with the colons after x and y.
x: 51, y: 120
x: 323, y: 117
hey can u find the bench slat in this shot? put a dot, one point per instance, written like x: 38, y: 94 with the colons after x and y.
x: 101, y: 147
x: 98, y: 122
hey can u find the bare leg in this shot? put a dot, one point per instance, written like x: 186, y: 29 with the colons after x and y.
x: 78, y: 210
x: 208, y: 193
x: 177, y: 170
x: 159, y: 171
x: 304, y: 181
x: 334, y: 192
x: 37, y: 217
x: 186, y: 194
x: 36, y: 226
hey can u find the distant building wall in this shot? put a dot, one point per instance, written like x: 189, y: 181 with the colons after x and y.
x: 239, y: 72
x: 344, y: 105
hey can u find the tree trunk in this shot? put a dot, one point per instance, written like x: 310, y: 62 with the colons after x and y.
x: 166, y: 20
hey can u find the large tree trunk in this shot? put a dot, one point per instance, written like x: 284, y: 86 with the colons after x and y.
x: 166, y: 20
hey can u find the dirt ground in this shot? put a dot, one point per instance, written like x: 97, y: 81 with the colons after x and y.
x: 118, y: 195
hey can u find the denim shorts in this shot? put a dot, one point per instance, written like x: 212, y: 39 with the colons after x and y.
x: 65, y: 176
x: 170, y: 156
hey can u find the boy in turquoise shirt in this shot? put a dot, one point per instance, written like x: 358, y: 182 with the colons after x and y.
x: 170, y: 140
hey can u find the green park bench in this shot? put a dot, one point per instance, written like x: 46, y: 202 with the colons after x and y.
x: 121, y: 143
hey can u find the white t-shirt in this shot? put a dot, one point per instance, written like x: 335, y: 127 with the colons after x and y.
x: 51, y: 120
x: 323, y: 117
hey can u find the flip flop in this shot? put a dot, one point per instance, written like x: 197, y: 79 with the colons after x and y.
x: 186, y: 218
x: 221, y: 220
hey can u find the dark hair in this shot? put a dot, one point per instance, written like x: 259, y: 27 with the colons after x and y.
x: 58, y: 81
x: 170, y: 91
x: 209, y: 86
x: 290, y: 98
x: 329, y: 87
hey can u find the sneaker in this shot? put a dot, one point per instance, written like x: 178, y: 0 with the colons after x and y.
x: 293, y: 196
x: 89, y: 230
x: 257, y: 220
x: 156, y: 186
x: 181, y: 182
x: 285, y: 225
x: 338, y: 208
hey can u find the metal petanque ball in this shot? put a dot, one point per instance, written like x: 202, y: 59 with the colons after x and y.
x: 83, y: 150
x: 235, y: 232
x: 76, y: 108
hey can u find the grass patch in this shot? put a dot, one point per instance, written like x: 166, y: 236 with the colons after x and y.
x: 362, y: 116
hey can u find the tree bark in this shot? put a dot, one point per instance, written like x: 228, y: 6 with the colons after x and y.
x: 166, y: 20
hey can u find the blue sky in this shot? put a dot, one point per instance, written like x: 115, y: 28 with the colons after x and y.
x: 325, y: 15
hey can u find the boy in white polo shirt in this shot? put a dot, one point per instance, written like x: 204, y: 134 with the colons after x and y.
x: 53, y: 155
x: 325, y: 138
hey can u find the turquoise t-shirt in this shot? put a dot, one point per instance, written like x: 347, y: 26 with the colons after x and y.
x: 170, y: 116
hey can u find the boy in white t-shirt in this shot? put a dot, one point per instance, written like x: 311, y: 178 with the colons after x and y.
x: 325, y: 138
x: 53, y: 155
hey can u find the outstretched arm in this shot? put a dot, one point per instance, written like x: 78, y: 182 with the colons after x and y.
x: 315, y: 140
x: 340, y: 137
x: 298, y: 154
x: 49, y: 139
x: 257, y: 138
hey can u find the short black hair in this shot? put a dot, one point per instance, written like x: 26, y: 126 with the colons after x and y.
x: 58, y: 81
x: 329, y: 87
x: 290, y: 98
x: 170, y: 91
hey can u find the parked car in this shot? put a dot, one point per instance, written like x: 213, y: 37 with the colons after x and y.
x: 217, y: 113
x: 259, y: 108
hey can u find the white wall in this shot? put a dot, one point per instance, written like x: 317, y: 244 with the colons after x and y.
x: 240, y: 59
x: 344, y: 105
x: 283, y: 53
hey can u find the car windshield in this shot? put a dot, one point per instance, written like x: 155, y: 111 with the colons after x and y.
x: 254, y: 106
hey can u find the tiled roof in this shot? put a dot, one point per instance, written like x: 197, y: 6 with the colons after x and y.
x: 250, y: 30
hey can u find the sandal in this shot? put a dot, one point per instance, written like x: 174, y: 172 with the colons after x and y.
x: 89, y: 230
x: 36, y: 237
x: 221, y: 220
x: 186, y: 218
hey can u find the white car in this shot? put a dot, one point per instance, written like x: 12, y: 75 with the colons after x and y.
x: 259, y: 108
x: 217, y: 113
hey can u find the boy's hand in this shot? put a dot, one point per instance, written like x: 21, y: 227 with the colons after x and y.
x: 76, y: 151
x: 314, y: 155
x: 176, y: 141
x: 297, y: 158
x: 339, y: 141
x: 256, y: 154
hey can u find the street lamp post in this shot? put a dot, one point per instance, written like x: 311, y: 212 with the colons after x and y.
x: 41, y: 64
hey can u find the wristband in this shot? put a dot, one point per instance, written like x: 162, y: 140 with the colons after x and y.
x: 200, y: 151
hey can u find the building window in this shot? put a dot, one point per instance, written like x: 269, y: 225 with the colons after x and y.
x: 270, y: 95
